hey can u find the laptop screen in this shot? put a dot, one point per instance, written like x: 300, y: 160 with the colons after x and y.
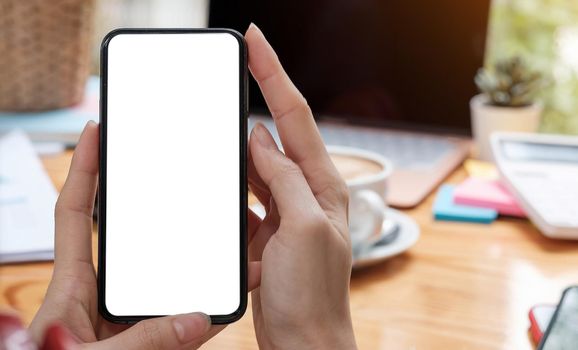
x: 407, y: 63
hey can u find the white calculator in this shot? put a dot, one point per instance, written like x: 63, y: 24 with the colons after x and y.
x: 541, y: 171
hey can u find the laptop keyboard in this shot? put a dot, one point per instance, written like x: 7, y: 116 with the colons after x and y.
x: 408, y: 151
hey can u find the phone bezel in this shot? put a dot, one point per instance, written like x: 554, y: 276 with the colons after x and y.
x: 243, y: 197
x: 554, y: 318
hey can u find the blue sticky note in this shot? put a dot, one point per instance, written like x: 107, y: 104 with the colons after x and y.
x: 444, y: 208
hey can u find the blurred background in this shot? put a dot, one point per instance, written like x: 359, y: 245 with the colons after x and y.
x: 470, y: 108
x: 542, y: 32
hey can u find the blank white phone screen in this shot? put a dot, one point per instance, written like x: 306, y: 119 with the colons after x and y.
x: 172, y: 174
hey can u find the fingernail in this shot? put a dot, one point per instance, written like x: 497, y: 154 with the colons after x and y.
x: 264, y: 137
x: 58, y: 337
x: 91, y: 124
x: 252, y: 26
x: 191, y: 326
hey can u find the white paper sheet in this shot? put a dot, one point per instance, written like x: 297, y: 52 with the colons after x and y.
x: 27, y: 199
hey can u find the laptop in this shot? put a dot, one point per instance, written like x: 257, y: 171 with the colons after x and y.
x: 394, y: 77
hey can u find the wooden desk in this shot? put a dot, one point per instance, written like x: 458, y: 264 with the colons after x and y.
x: 463, y: 286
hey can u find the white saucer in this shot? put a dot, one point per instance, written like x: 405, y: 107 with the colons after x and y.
x: 408, y: 235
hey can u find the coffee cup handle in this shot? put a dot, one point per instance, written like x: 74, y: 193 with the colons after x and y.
x: 376, y: 207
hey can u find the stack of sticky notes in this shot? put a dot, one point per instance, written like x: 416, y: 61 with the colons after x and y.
x: 480, y: 198
x: 446, y: 209
x: 487, y: 194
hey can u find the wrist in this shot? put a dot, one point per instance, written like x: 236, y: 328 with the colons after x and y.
x: 339, y: 338
x: 324, y: 335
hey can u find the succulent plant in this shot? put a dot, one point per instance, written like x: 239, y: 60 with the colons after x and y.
x: 509, y: 83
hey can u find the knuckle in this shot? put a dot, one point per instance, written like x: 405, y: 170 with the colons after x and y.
x: 301, y: 100
x: 303, y: 107
x: 285, y: 170
x: 289, y: 168
x: 300, y: 106
x: 149, y: 335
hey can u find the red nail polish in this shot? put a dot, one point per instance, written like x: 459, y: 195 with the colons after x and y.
x: 57, y: 337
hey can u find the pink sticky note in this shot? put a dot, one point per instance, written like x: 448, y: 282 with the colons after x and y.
x: 486, y: 193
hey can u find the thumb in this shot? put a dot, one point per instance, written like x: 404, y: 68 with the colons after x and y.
x: 171, y: 332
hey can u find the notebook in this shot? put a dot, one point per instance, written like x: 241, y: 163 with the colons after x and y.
x: 27, y: 199
x: 60, y: 125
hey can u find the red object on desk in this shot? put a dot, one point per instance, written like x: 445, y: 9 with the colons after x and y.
x: 540, y: 316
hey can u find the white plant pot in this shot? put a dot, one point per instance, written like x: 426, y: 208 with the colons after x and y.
x: 487, y: 118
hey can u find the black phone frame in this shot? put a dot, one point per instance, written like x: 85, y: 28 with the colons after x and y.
x: 101, y: 219
x: 554, y: 318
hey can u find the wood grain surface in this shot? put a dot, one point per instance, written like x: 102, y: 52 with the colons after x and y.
x: 463, y: 286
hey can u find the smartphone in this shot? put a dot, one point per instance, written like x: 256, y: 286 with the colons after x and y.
x: 173, y: 180
x: 562, y: 332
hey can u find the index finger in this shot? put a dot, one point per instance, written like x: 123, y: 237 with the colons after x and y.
x: 293, y: 118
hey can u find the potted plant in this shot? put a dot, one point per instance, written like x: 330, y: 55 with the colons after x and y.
x: 507, y: 102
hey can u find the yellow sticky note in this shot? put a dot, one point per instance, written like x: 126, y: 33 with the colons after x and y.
x: 480, y: 169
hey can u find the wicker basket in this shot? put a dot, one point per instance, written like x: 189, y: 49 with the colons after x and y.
x: 44, y: 53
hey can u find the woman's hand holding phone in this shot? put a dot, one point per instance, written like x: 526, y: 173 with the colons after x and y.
x: 71, y: 299
x: 303, y: 241
x: 300, y: 251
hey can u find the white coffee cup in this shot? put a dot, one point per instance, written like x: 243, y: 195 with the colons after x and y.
x: 366, y: 174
